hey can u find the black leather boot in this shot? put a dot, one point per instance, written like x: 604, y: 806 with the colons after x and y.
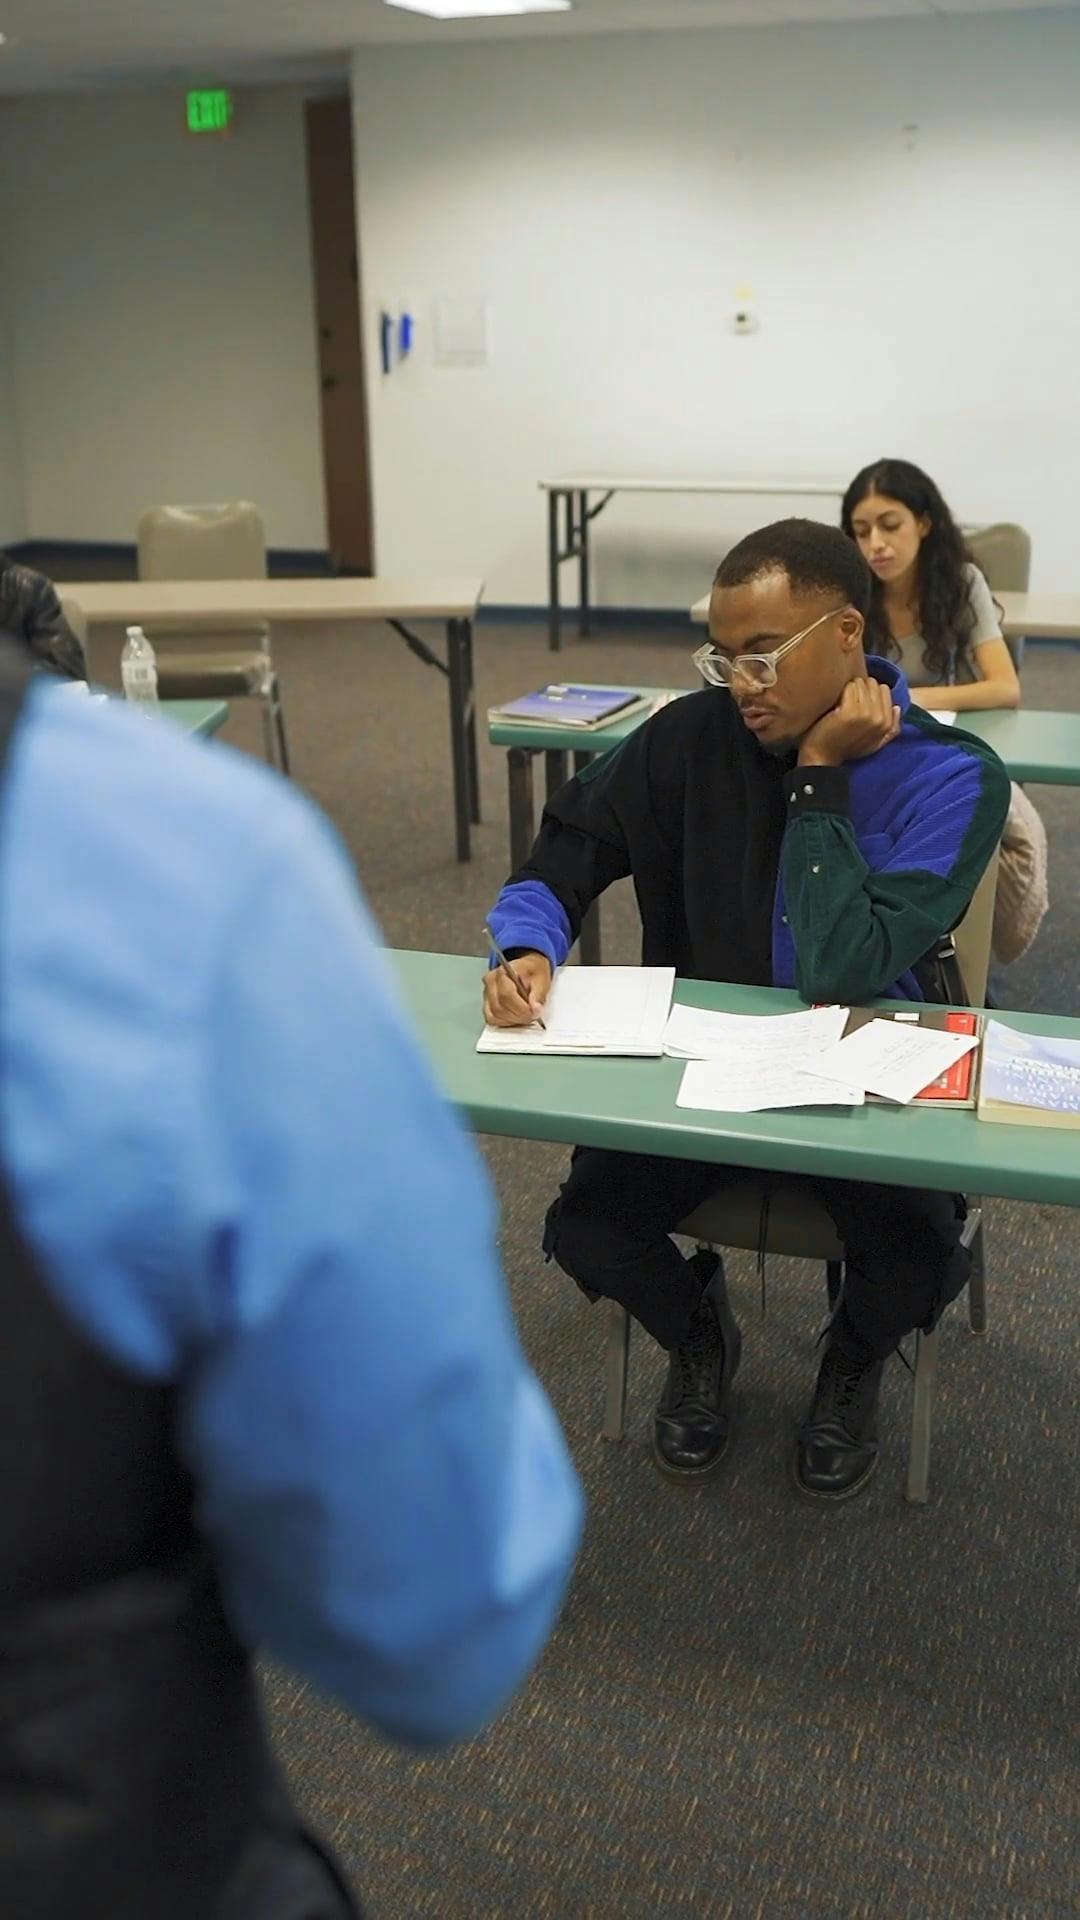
x: 692, y: 1426
x: 837, y: 1448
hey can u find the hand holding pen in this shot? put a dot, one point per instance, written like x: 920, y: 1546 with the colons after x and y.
x: 514, y: 995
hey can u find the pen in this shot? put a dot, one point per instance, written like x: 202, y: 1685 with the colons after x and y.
x: 508, y: 969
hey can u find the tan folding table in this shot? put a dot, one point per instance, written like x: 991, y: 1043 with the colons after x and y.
x: 218, y: 605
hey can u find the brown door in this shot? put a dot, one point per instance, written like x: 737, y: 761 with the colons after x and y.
x: 332, y: 201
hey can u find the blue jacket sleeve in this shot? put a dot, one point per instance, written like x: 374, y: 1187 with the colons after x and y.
x: 582, y: 847
x: 383, y: 1480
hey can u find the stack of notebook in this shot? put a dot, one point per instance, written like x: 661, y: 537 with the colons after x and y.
x: 562, y: 705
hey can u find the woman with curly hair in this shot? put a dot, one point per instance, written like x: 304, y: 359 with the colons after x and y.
x: 932, y: 610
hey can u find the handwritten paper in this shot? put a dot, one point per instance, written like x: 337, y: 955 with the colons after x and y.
x: 750, y: 1063
x: 715, y: 1086
x: 692, y: 1033
x: 893, y: 1060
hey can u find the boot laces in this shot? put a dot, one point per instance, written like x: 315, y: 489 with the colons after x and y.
x: 699, y: 1355
x: 844, y: 1379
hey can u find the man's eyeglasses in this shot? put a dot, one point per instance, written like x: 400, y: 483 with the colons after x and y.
x: 757, y: 669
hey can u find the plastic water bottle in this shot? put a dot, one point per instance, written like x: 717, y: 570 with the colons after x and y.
x: 138, y: 669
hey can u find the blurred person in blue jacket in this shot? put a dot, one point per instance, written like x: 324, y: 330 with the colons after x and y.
x: 260, y: 1387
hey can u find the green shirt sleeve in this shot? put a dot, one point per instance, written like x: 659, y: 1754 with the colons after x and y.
x: 856, y: 930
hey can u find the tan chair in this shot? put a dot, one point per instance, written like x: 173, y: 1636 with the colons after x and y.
x: 224, y: 542
x: 764, y: 1215
x: 1003, y: 553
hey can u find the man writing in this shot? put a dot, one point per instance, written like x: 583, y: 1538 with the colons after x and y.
x: 796, y: 823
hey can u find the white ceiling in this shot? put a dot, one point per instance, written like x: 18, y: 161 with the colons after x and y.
x: 55, y: 45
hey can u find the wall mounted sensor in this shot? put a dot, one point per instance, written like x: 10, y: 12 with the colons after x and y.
x: 745, y: 318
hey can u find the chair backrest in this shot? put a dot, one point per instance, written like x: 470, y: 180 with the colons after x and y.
x: 971, y: 938
x: 1003, y: 553
x: 225, y: 542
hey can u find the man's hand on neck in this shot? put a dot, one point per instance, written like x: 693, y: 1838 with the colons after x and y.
x: 863, y: 720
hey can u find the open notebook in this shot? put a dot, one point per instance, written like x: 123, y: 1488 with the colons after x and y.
x: 601, y: 1010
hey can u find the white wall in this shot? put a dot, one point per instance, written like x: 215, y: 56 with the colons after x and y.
x: 161, y: 312
x: 919, y: 294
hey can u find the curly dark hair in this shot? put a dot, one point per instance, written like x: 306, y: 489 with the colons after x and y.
x: 815, y: 558
x: 945, y: 614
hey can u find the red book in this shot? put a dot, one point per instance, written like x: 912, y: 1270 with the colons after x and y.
x: 956, y: 1084
x: 957, y: 1087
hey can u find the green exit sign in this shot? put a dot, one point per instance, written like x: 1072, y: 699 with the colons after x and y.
x: 209, y: 110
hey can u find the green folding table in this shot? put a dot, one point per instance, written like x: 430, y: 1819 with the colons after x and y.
x: 196, y: 716
x: 630, y: 1104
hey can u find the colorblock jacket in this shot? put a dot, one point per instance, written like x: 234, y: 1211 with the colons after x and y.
x: 838, y: 881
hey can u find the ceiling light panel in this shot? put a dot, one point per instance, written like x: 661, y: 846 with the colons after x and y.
x: 478, y: 9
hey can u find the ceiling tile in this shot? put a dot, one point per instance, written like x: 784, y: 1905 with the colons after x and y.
x: 54, y: 44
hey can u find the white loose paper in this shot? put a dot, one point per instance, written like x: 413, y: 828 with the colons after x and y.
x: 719, y: 1086
x: 692, y: 1033
x: 749, y: 1063
x: 895, y: 1061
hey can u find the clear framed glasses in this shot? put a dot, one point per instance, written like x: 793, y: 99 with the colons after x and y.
x: 757, y: 669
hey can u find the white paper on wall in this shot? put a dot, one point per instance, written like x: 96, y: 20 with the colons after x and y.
x: 461, y: 332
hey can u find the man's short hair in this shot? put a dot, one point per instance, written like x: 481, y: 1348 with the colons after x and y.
x: 815, y: 558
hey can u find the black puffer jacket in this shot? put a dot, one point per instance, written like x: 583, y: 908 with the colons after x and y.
x: 30, y: 610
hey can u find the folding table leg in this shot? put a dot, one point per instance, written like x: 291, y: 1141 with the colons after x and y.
x: 519, y: 774
x: 584, y: 610
x: 554, y: 615
x: 470, y: 725
x: 458, y: 671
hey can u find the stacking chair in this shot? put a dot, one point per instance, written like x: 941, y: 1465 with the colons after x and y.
x: 1003, y: 553
x: 768, y: 1215
x: 214, y: 543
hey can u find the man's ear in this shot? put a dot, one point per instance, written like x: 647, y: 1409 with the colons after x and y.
x: 852, y: 628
